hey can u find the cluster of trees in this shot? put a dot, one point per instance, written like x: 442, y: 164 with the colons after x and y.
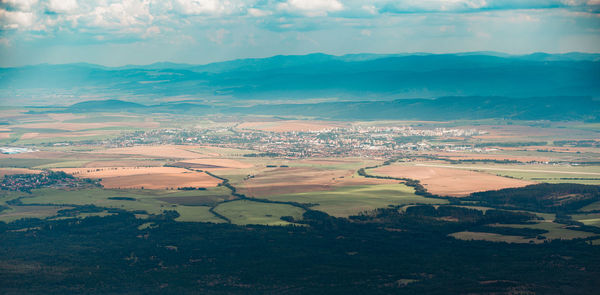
x: 191, y: 188
x: 544, y: 197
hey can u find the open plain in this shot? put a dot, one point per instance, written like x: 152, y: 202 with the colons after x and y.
x: 298, y: 163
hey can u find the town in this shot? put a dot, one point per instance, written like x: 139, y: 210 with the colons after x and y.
x: 369, y: 142
x: 47, y: 178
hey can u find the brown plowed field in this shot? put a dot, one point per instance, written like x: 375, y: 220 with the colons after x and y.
x: 448, y: 181
x: 12, y: 171
x: 296, y: 180
x: 158, y: 151
x: 147, y: 177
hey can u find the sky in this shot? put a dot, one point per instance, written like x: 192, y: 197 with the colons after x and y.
x: 115, y: 33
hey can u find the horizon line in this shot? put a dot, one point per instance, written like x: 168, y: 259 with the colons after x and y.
x: 484, y: 53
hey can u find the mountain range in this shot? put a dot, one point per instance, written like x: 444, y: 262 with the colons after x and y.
x: 357, y: 77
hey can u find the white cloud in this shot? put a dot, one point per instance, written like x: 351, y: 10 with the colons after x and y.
x: 16, y: 19
x: 258, y: 12
x: 151, y: 31
x: 311, y: 7
x: 62, y: 6
x: 218, y: 36
x: 25, y: 5
x: 370, y: 9
x: 126, y: 13
x: 203, y: 7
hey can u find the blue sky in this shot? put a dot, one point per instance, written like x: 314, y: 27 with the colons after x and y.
x: 200, y: 31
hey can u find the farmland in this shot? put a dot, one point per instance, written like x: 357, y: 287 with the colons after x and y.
x: 277, y: 171
x: 280, y: 167
x: 145, y: 177
x: 352, y: 200
x: 182, y: 196
x: 446, y: 181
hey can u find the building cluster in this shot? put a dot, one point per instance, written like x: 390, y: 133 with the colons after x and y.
x: 14, y: 150
x: 356, y: 141
x: 27, y: 182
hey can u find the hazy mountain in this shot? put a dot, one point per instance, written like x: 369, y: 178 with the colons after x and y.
x: 105, y: 105
x: 350, y: 77
x: 444, y: 108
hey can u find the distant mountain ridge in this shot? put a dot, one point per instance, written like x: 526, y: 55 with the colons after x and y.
x: 302, y: 78
x: 105, y: 105
x: 315, y: 76
x: 444, y: 108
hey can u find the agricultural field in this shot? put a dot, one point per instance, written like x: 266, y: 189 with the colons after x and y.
x: 492, y: 237
x: 287, y: 180
x: 20, y: 212
x: 444, y: 180
x: 554, y: 230
x: 145, y: 177
x: 244, y: 212
x: 140, y: 162
x: 352, y: 200
x: 558, y: 173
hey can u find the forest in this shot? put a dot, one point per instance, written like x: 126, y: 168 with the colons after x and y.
x: 378, y: 252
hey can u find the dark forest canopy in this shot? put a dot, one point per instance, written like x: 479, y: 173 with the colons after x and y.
x: 384, y: 251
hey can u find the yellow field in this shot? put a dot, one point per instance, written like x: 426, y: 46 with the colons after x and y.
x: 448, y: 181
x: 145, y: 177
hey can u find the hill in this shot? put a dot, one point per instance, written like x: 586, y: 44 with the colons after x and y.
x: 554, y: 108
x: 356, y: 77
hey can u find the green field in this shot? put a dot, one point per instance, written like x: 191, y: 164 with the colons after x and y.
x: 351, y: 200
x: 44, y: 203
x: 65, y: 164
x: 555, y: 230
x: 196, y: 214
x: 97, y: 197
x: 591, y: 207
x: 145, y: 200
x: 45, y: 141
x: 592, y: 219
x: 20, y: 212
x: 492, y: 237
x: 248, y: 212
x: 25, y: 163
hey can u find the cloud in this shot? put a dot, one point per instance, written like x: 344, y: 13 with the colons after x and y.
x: 16, y: 19
x: 62, y: 6
x: 23, y: 5
x: 420, y: 6
x: 151, y: 31
x: 82, y: 22
x: 127, y: 13
x: 311, y: 7
x: 218, y: 36
x: 198, y: 7
x: 258, y: 12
